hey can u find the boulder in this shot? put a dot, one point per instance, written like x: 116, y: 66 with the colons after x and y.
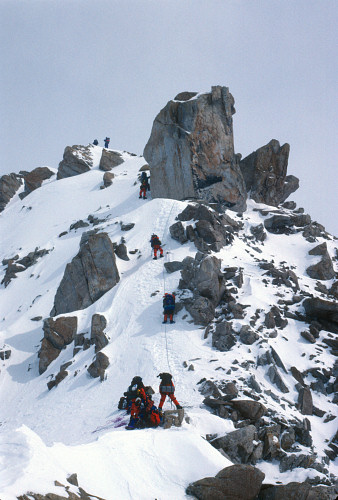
x: 252, y: 410
x: 98, y: 366
x: 264, y: 172
x: 247, y: 335
x: 108, y: 178
x: 238, y: 445
x: 323, y: 270
x: 237, y: 482
x: 223, y: 338
x: 305, y: 403
x: 290, y: 462
x: 177, y: 232
x: 276, y: 379
x: 191, y: 151
x: 201, y: 309
x: 121, y: 251
x: 97, y: 335
x: 258, y: 232
x: 173, y: 266
x: 90, y: 274
x: 5, y: 354
x: 57, y: 334
x: 295, y: 491
x: 76, y: 160
x: 34, y: 179
x: 323, y: 311
x: 9, y: 184
x: 110, y: 159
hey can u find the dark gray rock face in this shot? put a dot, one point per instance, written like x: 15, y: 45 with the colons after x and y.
x: 264, y: 172
x: 191, y: 151
x: 323, y: 270
x: 238, y: 445
x: 252, y: 410
x: 285, y: 224
x: 295, y: 491
x: 76, y: 160
x: 90, y: 274
x: 223, y: 337
x: 204, y: 278
x: 305, y: 403
x: 237, y: 482
x: 57, y: 334
x: 247, y: 335
x: 212, y: 231
x: 99, y: 366
x: 34, y: 179
x: 9, y: 184
x: 323, y: 311
x: 110, y: 159
x: 173, y: 266
x: 97, y: 335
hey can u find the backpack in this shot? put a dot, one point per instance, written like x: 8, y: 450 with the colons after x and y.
x: 168, y: 300
x: 155, y: 418
x: 122, y: 403
x: 155, y: 240
x: 144, y: 176
x: 165, y: 378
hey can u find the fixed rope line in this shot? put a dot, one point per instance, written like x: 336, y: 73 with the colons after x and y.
x: 163, y: 274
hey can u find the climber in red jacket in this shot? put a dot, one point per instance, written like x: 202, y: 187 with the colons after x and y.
x: 167, y: 388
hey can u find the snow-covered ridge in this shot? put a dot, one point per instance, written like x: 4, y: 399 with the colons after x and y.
x: 48, y: 435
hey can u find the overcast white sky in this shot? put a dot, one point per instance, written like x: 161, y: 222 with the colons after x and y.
x: 75, y: 70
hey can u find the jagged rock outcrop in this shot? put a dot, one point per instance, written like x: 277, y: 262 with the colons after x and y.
x: 34, y: 179
x: 99, y: 366
x: 238, y: 444
x: 97, y: 335
x: 76, y: 160
x: 191, y: 150
x: 9, y: 184
x: 204, y: 278
x: 237, y: 482
x: 110, y: 159
x: 323, y: 311
x: 223, y: 337
x: 16, y: 265
x: 57, y: 334
x: 323, y: 270
x: 297, y: 491
x: 90, y: 274
x: 108, y: 179
x: 264, y: 172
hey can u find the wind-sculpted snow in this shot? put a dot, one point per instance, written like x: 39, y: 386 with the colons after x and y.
x: 74, y: 427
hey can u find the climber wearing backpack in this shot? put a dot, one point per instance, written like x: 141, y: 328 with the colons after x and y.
x: 168, y: 306
x: 156, y: 245
x: 136, y: 399
x: 106, y: 142
x: 145, y: 178
x: 143, y: 189
x: 167, y: 388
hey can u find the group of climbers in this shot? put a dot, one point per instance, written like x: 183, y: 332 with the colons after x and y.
x: 138, y: 402
x: 106, y: 142
x: 137, y: 399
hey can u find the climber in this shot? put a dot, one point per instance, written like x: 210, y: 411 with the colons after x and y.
x: 168, y: 306
x: 106, y: 142
x: 156, y: 245
x: 144, y: 177
x: 143, y: 189
x: 167, y: 388
x: 95, y: 142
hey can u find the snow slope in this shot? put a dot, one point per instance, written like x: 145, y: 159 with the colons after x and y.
x: 48, y: 435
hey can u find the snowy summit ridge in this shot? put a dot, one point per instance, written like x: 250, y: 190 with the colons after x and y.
x: 252, y: 351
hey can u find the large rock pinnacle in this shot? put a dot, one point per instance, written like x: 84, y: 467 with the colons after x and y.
x: 191, y: 150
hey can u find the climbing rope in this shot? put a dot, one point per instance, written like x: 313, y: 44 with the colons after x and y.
x: 167, y: 257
